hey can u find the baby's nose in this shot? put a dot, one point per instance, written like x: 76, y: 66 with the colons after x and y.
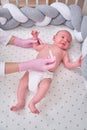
x: 65, y: 39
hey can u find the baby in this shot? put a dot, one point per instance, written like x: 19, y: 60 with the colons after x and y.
x: 39, y: 82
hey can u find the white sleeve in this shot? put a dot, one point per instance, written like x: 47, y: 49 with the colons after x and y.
x: 2, y: 68
x: 5, y: 36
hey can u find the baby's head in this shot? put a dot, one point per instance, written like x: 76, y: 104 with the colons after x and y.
x: 62, y: 39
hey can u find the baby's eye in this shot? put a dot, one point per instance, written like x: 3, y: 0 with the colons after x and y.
x: 62, y: 36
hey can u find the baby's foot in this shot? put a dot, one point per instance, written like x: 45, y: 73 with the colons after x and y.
x: 17, y: 107
x: 33, y: 108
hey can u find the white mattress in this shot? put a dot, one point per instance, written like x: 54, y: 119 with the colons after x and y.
x: 65, y: 105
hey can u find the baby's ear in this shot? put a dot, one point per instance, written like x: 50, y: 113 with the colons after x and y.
x: 53, y: 37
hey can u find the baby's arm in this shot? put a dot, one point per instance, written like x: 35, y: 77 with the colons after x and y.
x: 71, y: 65
x: 38, y: 47
x: 35, y: 34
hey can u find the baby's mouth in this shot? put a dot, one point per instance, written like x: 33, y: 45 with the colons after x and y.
x: 63, y: 43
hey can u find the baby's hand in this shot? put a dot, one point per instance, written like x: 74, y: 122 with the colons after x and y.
x: 35, y: 34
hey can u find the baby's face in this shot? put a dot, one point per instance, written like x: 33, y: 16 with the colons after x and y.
x: 62, y: 39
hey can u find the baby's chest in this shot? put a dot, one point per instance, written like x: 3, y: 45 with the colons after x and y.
x: 57, y: 52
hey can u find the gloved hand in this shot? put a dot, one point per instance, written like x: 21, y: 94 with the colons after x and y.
x: 28, y: 43
x: 24, y: 43
x: 38, y: 64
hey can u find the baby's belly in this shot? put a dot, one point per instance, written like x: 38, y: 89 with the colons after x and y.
x: 45, y: 54
x: 54, y: 68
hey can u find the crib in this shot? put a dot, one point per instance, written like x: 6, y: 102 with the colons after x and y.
x: 65, y: 105
x: 34, y: 3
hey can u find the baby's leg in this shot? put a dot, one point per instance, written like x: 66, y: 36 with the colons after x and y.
x: 41, y: 92
x: 21, y: 93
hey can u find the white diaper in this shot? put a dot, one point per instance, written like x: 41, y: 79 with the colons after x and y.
x: 2, y: 68
x: 5, y: 37
x: 35, y: 77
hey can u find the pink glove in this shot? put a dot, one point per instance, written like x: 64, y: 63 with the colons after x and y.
x: 25, y: 43
x: 38, y: 64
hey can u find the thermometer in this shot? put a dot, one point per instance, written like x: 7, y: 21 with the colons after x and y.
x: 51, y: 54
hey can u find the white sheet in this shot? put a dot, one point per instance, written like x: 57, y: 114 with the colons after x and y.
x: 65, y: 105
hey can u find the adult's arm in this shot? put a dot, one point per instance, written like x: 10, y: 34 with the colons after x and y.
x: 36, y: 64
